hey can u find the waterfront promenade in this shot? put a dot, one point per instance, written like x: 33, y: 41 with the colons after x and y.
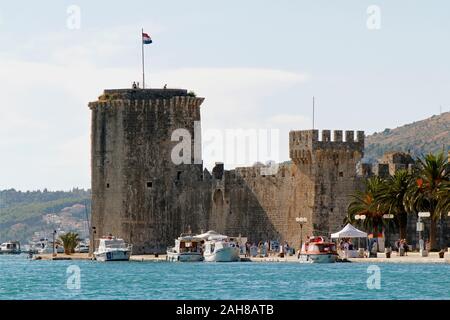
x: 412, y: 257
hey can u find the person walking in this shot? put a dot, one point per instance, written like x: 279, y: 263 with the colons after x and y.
x: 346, y: 248
x: 266, y: 249
x: 405, y: 244
x: 287, y: 248
x: 401, y: 248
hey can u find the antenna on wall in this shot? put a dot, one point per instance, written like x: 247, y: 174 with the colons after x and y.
x: 314, y: 113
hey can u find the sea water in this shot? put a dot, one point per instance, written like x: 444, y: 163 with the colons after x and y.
x: 21, y: 278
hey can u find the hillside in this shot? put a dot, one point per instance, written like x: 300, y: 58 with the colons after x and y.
x: 22, y: 214
x: 420, y: 137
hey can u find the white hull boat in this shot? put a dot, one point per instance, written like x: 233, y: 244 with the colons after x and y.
x: 187, y: 248
x: 82, y: 248
x: 112, y: 249
x: 318, y: 250
x: 113, y: 255
x: 219, y: 248
x: 48, y: 248
x: 318, y: 258
x: 229, y: 254
x: 184, y: 257
x: 12, y: 247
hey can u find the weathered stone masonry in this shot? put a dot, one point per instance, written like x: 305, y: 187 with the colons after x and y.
x: 140, y: 195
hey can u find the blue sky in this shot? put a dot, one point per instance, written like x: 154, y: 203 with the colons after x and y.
x: 257, y: 63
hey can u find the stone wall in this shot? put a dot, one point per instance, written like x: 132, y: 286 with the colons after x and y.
x: 139, y: 194
x: 330, y: 164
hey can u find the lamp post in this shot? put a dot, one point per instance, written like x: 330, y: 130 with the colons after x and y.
x: 92, y: 248
x: 54, y: 235
x: 387, y: 217
x: 421, y: 228
x: 360, y: 217
x: 301, y: 221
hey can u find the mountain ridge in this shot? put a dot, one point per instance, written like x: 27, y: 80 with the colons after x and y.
x: 430, y: 135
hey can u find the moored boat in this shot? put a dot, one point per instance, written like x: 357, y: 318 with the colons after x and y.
x: 318, y: 250
x: 112, y: 249
x: 47, y: 247
x: 188, y: 248
x: 82, y: 248
x: 219, y: 248
x: 10, y: 247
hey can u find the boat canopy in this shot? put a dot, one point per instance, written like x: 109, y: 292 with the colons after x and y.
x: 112, y: 243
x: 349, y: 231
x: 211, y: 235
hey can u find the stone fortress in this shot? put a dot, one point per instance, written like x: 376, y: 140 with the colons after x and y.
x: 139, y: 194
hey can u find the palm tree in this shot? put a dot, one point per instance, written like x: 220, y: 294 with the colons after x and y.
x: 443, y: 205
x: 391, y: 197
x: 444, y: 197
x: 427, y: 190
x: 70, y: 240
x: 365, y: 203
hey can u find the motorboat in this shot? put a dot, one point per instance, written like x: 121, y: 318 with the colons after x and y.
x: 82, y: 248
x: 10, y: 247
x: 318, y: 250
x: 188, y: 248
x: 219, y: 248
x: 112, y: 249
x: 46, y: 247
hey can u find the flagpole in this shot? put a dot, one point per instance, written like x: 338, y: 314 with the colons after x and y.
x: 143, y: 60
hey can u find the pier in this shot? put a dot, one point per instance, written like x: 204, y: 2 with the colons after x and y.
x: 412, y: 257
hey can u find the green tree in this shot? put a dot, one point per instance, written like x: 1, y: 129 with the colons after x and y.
x: 427, y: 191
x: 365, y: 203
x: 444, y: 198
x: 391, y: 197
x: 70, y: 240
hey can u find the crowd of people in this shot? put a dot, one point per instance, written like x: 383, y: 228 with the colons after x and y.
x: 401, y: 246
x: 268, y: 248
x: 346, y: 245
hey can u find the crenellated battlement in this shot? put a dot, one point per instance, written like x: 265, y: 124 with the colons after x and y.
x: 302, y: 144
x: 167, y: 98
x: 307, y: 136
x: 140, y: 194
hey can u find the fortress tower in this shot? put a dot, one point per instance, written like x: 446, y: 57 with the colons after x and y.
x: 141, y: 194
x: 329, y: 167
x: 138, y: 193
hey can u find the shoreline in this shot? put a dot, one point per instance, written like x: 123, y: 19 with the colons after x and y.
x: 413, y: 257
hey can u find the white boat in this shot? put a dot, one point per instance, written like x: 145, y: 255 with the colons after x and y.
x: 188, y: 248
x: 46, y: 247
x: 35, y: 246
x: 318, y: 250
x: 219, y: 248
x: 10, y: 247
x: 82, y: 248
x: 113, y: 249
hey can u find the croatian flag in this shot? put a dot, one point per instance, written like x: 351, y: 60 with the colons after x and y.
x: 146, y: 39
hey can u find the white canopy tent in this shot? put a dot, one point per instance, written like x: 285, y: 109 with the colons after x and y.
x: 349, y: 231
